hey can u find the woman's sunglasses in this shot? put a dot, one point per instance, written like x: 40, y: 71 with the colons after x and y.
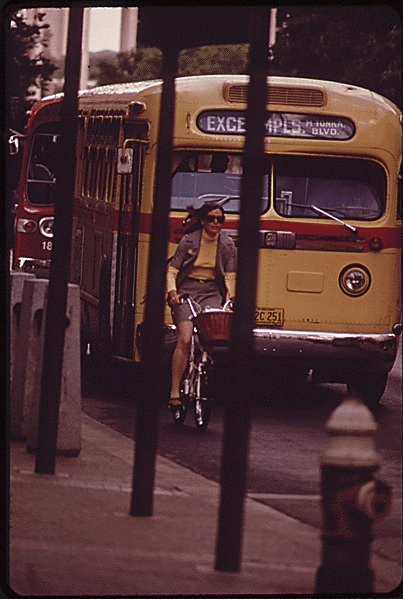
x: 210, y: 218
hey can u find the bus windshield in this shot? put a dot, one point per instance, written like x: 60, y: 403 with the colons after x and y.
x: 303, y: 185
x: 346, y: 188
x: 201, y: 177
x: 43, y: 168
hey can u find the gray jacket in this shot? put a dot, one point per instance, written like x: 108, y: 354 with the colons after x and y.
x: 188, y: 248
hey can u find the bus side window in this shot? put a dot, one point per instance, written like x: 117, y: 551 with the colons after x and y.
x: 40, y: 172
x: 40, y: 184
x: 44, y: 166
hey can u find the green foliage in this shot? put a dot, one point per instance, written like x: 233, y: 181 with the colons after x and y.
x: 27, y: 68
x: 131, y: 66
x: 146, y: 63
x: 210, y: 60
x: 357, y: 44
x: 97, y: 58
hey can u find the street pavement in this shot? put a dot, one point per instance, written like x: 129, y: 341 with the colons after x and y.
x: 71, y: 532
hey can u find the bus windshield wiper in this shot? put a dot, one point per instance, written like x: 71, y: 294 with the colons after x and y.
x: 209, y: 197
x: 342, y: 222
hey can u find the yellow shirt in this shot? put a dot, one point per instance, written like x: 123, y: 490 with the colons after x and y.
x: 203, y: 268
x: 204, y: 265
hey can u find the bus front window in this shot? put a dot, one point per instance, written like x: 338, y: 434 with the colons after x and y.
x: 201, y: 177
x: 42, y: 169
x: 348, y: 189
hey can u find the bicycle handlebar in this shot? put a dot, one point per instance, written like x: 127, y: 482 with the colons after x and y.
x: 185, y: 297
x: 229, y: 305
x: 196, y: 308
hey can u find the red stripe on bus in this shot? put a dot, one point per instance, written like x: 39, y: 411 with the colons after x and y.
x: 314, y: 233
x: 306, y: 233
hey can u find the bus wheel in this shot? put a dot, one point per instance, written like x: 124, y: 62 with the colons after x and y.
x: 369, y: 387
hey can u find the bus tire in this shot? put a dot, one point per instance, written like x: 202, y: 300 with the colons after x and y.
x: 369, y: 387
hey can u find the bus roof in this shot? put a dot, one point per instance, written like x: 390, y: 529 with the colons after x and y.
x: 125, y: 93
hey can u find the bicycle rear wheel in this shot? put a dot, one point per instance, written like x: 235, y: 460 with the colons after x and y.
x: 202, y: 404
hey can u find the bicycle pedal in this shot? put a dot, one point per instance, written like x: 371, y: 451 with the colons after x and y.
x: 177, y: 412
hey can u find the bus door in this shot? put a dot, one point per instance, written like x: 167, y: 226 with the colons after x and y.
x: 126, y: 247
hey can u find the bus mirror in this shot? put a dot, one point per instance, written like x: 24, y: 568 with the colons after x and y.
x: 13, y: 145
x: 125, y: 161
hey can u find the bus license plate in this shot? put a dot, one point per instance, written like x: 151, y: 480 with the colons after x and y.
x: 270, y: 316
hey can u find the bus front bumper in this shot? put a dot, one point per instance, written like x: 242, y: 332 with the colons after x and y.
x: 32, y: 264
x: 319, y: 348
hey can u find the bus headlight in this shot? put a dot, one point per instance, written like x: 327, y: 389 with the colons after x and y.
x: 25, y: 225
x: 46, y: 226
x: 355, y: 280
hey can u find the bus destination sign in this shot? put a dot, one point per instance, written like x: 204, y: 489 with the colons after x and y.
x: 278, y: 124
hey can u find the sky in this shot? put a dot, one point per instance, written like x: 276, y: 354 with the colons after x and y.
x: 104, y: 31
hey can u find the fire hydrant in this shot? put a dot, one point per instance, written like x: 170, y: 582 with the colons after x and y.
x: 351, y: 500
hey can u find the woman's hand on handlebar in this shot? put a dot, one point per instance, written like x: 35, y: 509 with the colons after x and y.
x: 229, y: 304
x: 173, y: 298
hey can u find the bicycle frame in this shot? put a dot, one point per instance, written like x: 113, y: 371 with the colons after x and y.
x: 194, y: 382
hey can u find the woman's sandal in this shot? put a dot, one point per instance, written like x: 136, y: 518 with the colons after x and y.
x: 177, y: 409
x: 174, y: 403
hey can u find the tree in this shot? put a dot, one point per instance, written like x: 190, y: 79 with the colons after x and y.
x: 140, y: 65
x: 146, y: 63
x: 358, y: 44
x: 27, y: 67
x: 206, y: 60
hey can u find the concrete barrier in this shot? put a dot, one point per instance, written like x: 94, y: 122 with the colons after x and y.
x: 26, y: 352
x: 69, y: 429
x: 17, y: 280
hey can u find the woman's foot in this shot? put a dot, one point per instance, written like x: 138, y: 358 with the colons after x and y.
x: 174, y: 402
x: 177, y: 410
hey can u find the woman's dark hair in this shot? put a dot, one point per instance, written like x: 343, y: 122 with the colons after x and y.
x: 194, y: 219
x: 203, y: 211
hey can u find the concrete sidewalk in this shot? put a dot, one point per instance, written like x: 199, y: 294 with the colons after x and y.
x: 71, y: 533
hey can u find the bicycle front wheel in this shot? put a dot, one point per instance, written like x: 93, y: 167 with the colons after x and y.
x: 202, y: 404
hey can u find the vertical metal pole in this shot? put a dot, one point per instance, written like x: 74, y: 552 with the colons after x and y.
x: 272, y: 32
x: 237, y: 415
x: 60, y: 264
x: 147, y: 415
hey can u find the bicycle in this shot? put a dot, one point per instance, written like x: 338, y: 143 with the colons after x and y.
x: 211, y: 329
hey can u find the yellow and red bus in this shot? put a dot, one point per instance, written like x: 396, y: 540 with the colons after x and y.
x: 329, y: 274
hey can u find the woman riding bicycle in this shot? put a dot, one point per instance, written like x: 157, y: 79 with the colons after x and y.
x: 203, y: 266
